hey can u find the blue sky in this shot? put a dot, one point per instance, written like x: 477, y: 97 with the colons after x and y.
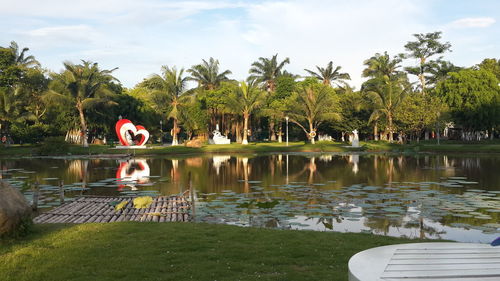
x: 141, y: 36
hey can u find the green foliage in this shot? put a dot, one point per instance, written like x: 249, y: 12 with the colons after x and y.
x: 328, y: 75
x: 491, y: 65
x: 265, y: 71
x: 25, y: 133
x: 418, y: 112
x: 472, y: 96
x: 53, y: 146
x: 425, y: 46
x: 355, y: 110
x: 207, y: 74
x: 196, y: 119
x: 312, y: 104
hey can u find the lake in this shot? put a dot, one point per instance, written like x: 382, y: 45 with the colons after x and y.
x: 453, y: 197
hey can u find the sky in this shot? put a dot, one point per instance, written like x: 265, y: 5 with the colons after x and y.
x: 139, y: 37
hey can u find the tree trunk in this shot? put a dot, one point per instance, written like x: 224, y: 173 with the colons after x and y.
x: 245, y: 128
x: 272, y: 135
x: 174, y: 133
x: 83, y: 124
x: 375, y: 132
x: 280, y: 132
x: 238, y: 131
x: 426, y: 134
x: 421, y: 76
x: 311, y: 129
x: 389, y: 119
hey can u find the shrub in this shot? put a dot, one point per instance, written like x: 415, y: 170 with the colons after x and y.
x: 53, y: 145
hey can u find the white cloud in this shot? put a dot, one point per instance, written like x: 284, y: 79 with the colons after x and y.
x: 140, y: 36
x: 473, y: 22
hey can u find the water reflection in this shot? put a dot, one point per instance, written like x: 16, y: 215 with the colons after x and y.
x: 132, y: 172
x: 434, y: 196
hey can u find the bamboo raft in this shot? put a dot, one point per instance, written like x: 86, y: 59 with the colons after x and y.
x: 99, y: 209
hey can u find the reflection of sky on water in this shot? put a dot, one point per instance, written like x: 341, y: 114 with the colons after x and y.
x: 458, y: 195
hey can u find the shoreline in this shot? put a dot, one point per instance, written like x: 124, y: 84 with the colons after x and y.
x: 102, y: 151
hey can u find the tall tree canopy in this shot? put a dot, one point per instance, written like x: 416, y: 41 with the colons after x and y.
x: 246, y: 100
x: 329, y: 75
x: 207, y: 74
x: 311, y: 105
x: 168, y: 95
x: 84, y: 85
x: 386, y: 88
x: 473, y: 96
x: 266, y: 71
x: 425, y: 46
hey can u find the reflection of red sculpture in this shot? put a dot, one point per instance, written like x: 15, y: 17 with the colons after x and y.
x: 133, y: 172
x: 129, y: 134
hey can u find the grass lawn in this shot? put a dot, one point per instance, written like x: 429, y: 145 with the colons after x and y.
x: 180, y: 251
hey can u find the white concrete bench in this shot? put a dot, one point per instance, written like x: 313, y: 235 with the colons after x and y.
x: 427, y: 261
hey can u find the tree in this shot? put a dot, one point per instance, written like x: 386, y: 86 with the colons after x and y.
x: 20, y: 56
x: 207, y: 74
x: 275, y: 107
x: 491, y: 65
x: 382, y: 65
x: 266, y: 71
x: 439, y: 71
x: 473, y: 97
x: 168, y: 94
x: 386, y: 88
x: 426, y: 46
x: 84, y: 85
x: 312, y: 104
x: 245, y: 100
x: 328, y: 75
x: 386, y: 95
x: 355, y: 112
x: 413, y: 115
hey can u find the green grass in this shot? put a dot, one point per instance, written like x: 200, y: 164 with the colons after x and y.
x: 372, y: 146
x: 180, y: 251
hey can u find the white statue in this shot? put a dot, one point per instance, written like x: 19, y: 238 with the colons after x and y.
x: 355, y: 139
x: 218, y: 138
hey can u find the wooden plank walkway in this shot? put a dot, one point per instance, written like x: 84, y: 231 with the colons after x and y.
x: 98, y: 209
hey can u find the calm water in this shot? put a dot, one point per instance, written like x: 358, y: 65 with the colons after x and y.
x: 433, y: 196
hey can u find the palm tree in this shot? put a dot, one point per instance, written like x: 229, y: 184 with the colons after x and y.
x: 21, y: 59
x: 386, y: 87
x: 267, y: 70
x: 386, y: 95
x: 207, y: 74
x: 382, y: 65
x: 311, y: 106
x: 329, y: 75
x: 168, y: 90
x: 245, y: 100
x: 84, y: 85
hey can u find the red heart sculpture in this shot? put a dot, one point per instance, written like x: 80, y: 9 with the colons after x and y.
x: 127, y: 131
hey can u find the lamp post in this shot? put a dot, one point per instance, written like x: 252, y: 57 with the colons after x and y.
x: 161, y: 131
x: 286, y: 118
